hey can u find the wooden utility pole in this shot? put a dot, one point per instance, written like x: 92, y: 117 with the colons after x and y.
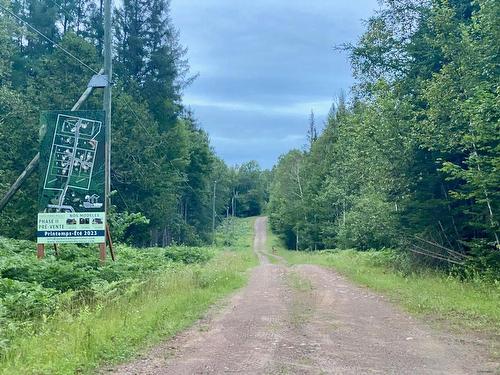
x: 233, y: 203
x: 297, y: 239
x: 108, y: 72
x: 213, y: 213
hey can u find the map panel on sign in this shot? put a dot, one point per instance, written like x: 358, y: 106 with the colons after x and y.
x: 72, y: 156
x: 72, y: 190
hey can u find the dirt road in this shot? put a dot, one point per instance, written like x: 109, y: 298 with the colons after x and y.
x: 308, y: 320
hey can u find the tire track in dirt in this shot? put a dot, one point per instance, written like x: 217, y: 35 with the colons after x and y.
x: 359, y: 332
x: 243, y: 338
x: 307, y: 320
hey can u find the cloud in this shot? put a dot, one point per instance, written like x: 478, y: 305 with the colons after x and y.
x: 291, y: 138
x: 265, y: 150
x: 263, y: 66
x: 295, y: 108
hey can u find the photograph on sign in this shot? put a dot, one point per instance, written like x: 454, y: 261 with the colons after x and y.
x: 72, y: 175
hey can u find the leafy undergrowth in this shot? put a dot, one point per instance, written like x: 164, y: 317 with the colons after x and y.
x: 460, y: 304
x: 67, y: 315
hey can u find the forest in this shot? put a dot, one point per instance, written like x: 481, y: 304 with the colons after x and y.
x: 163, y: 166
x: 410, y: 160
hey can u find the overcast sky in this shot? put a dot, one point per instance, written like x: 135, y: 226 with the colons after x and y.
x: 263, y: 65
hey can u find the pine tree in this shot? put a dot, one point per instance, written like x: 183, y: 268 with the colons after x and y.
x: 312, y: 134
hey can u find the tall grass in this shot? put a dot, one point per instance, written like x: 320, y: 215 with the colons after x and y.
x: 149, y: 311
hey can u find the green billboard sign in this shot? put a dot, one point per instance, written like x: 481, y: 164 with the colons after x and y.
x: 72, y: 174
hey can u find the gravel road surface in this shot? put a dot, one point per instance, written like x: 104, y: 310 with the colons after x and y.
x: 308, y: 320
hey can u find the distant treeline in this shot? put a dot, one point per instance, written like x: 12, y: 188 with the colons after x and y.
x: 412, y: 160
x: 163, y: 167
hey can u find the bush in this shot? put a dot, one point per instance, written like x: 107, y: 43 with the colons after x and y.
x: 369, y: 224
x: 397, y: 260
x: 483, y: 264
x: 32, y: 290
x: 188, y: 255
x: 23, y: 301
x: 129, y: 228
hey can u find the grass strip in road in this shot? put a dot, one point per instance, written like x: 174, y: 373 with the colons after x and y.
x: 302, y: 301
x: 298, y: 283
x: 151, y: 311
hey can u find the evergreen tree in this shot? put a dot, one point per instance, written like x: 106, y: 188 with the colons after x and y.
x: 312, y: 134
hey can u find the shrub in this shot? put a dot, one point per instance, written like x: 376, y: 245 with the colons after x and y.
x: 188, y: 255
x: 369, y: 224
x: 23, y: 301
x: 130, y: 228
x: 32, y: 290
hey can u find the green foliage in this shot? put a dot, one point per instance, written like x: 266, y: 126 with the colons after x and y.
x: 32, y: 290
x: 188, y: 255
x: 369, y: 224
x: 232, y: 234
x: 21, y: 301
x: 416, y: 151
x: 145, y: 296
x: 250, y: 188
x: 128, y: 227
x: 226, y: 234
x: 7, y: 48
x: 483, y: 264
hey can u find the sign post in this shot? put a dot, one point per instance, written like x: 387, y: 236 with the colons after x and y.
x: 71, y: 192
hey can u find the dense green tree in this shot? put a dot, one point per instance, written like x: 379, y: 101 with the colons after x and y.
x: 468, y: 136
x: 250, y: 188
x: 287, y: 205
x: 150, y: 57
x: 18, y: 137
